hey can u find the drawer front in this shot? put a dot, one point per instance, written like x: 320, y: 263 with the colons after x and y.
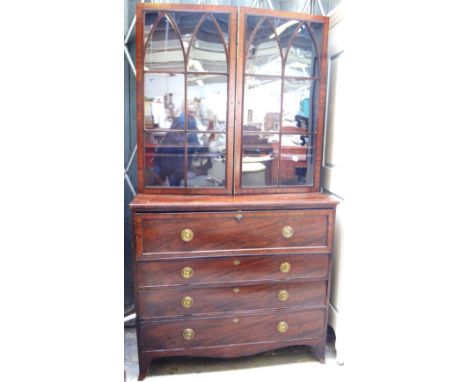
x: 192, y: 271
x: 180, y: 301
x: 176, y: 234
x: 233, y: 329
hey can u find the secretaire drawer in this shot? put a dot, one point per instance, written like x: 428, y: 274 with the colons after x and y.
x: 287, y: 324
x: 176, y: 234
x: 239, y: 269
x: 182, y: 301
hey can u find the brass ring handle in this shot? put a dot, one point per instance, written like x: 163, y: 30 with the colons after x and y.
x: 285, y: 267
x: 238, y: 216
x: 186, y: 272
x: 187, y: 302
x: 287, y: 231
x: 188, y: 333
x: 282, y: 326
x: 186, y: 234
x: 283, y: 295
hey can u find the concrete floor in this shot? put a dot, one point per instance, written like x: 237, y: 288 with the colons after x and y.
x: 273, y: 365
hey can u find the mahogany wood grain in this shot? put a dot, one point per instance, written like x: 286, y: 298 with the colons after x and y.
x: 225, y: 330
x: 249, y: 232
x: 228, y: 253
x: 168, y: 203
x: 165, y: 302
x: 219, y: 270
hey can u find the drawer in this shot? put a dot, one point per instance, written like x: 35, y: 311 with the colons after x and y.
x: 239, y: 269
x: 282, y: 325
x: 177, y: 234
x: 180, y: 301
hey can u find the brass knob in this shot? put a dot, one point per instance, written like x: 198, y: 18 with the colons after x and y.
x: 235, y: 320
x: 285, y: 267
x: 186, y: 272
x: 187, y: 302
x: 186, y: 234
x: 282, y: 326
x: 236, y: 262
x: 188, y: 333
x: 283, y: 295
x: 236, y: 290
x: 288, y: 232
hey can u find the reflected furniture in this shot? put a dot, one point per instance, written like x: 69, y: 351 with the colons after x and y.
x: 232, y: 235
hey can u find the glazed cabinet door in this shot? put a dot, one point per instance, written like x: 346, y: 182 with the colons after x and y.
x: 185, y: 98
x: 281, y: 78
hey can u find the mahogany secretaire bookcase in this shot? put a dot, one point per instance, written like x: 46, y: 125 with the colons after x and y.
x: 232, y: 235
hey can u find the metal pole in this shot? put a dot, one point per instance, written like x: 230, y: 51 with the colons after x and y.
x: 129, y: 59
x: 131, y: 158
x: 321, y: 7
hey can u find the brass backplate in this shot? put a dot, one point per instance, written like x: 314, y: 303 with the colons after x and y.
x: 186, y: 272
x: 288, y: 232
x: 285, y: 267
x: 283, y: 295
x: 186, y: 234
x: 282, y: 326
x: 188, y: 333
x: 187, y: 302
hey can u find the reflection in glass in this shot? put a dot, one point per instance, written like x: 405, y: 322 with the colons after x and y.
x: 259, y: 160
x: 222, y: 19
x: 207, y: 52
x: 263, y: 55
x: 150, y: 19
x: 208, y: 93
x: 164, y: 49
x: 262, y: 104
x: 297, y: 160
x: 297, y: 105
x: 301, y: 60
x: 186, y: 22
x: 168, y: 169
x: 206, y: 161
x: 169, y: 162
x: 164, y: 96
x: 317, y: 33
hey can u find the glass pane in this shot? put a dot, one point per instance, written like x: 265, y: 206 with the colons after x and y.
x: 208, y: 93
x: 260, y: 160
x: 263, y: 55
x: 164, y: 95
x: 206, y: 160
x: 223, y: 22
x: 150, y: 19
x: 186, y: 22
x: 164, y: 49
x: 297, y: 160
x: 207, y: 53
x: 168, y: 162
x: 317, y: 34
x: 262, y: 104
x: 297, y: 105
x: 250, y: 24
x: 165, y: 159
x: 302, y: 57
x: 285, y: 31
x: 164, y: 132
x: 168, y: 170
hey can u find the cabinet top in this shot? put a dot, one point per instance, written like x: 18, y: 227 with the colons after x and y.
x: 166, y: 203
